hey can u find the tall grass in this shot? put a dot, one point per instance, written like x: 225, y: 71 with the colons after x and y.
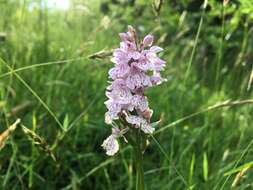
x: 205, y: 133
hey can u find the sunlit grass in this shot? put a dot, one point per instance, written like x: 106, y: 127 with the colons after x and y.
x: 205, y: 133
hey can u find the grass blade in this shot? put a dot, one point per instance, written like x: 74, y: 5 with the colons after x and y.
x: 167, y: 158
x: 205, y: 167
x: 34, y: 94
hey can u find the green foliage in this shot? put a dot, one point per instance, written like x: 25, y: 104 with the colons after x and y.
x: 58, y: 92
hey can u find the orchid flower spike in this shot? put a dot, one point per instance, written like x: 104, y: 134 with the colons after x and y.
x: 130, y: 76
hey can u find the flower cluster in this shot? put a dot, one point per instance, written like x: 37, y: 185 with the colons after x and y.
x: 137, y: 67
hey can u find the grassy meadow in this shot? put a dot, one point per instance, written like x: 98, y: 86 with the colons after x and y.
x: 54, y: 64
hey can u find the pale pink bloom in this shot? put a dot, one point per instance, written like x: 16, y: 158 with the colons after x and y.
x: 157, y: 63
x: 117, y: 83
x: 155, y: 49
x: 125, y: 37
x: 113, y: 110
x: 136, y: 67
x: 147, y: 41
x: 140, y: 102
x: 156, y: 79
x: 120, y: 56
x: 111, y: 144
x: 137, y: 79
x: 140, y: 122
x: 121, y: 95
x: 119, y: 71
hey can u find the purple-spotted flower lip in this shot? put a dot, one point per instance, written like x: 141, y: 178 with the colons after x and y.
x: 130, y: 76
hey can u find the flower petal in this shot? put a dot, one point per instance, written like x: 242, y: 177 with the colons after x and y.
x: 148, y: 40
x: 111, y: 145
x: 141, y: 123
x: 147, y: 128
x: 156, y: 49
x: 124, y: 37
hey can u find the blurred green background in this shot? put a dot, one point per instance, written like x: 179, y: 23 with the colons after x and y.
x: 209, y: 51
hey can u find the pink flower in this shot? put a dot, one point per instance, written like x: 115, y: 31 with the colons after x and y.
x: 140, y: 122
x: 119, y: 71
x: 137, y: 79
x: 136, y: 68
x: 147, y: 41
x: 140, y: 102
x: 111, y: 144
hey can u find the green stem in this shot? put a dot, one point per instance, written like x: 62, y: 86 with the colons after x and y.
x: 138, y: 163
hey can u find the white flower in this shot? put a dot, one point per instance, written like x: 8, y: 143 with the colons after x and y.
x: 111, y: 144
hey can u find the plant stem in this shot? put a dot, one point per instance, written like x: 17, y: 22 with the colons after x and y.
x: 138, y: 163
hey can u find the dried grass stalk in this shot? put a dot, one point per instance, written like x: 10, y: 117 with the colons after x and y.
x: 239, y: 176
x: 7, y: 133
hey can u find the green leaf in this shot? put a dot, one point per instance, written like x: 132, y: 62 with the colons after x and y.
x: 235, y: 170
x: 205, y: 167
x: 192, y: 169
x: 66, y: 123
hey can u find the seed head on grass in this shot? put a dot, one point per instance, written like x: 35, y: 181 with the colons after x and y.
x: 36, y: 139
x: 136, y: 67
